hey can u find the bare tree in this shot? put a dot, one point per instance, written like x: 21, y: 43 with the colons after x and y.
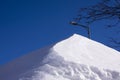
x: 106, y: 9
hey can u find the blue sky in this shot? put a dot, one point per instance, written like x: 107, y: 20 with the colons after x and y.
x: 27, y: 25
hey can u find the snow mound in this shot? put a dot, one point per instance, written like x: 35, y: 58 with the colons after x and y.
x: 75, y: 58
x: 82, y: 50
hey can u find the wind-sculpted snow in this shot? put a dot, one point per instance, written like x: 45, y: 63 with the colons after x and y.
x: 60, y: 69
x: 75, y: 58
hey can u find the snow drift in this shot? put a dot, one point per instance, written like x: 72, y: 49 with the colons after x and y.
x: 75, y: 58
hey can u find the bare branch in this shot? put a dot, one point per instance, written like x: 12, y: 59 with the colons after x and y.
x: 106, y: 9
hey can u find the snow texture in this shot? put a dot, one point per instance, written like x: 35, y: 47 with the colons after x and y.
x: 75, y: 58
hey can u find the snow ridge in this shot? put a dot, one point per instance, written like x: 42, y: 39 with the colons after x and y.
x: 75, y: 58
x: 82, y: 50
x: 63, y: 70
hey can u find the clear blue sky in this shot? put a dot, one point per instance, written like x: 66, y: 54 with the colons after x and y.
x: 27, y: 25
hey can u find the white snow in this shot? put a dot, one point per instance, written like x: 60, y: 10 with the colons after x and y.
x: 82, y: 50
x: 75, y: 58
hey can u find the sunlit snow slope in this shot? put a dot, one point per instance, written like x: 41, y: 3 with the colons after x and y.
x: 76, y: 58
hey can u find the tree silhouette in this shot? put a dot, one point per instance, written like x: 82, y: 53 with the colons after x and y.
x: 106, y: 9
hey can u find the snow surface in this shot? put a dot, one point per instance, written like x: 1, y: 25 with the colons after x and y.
x: 75, y: 58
